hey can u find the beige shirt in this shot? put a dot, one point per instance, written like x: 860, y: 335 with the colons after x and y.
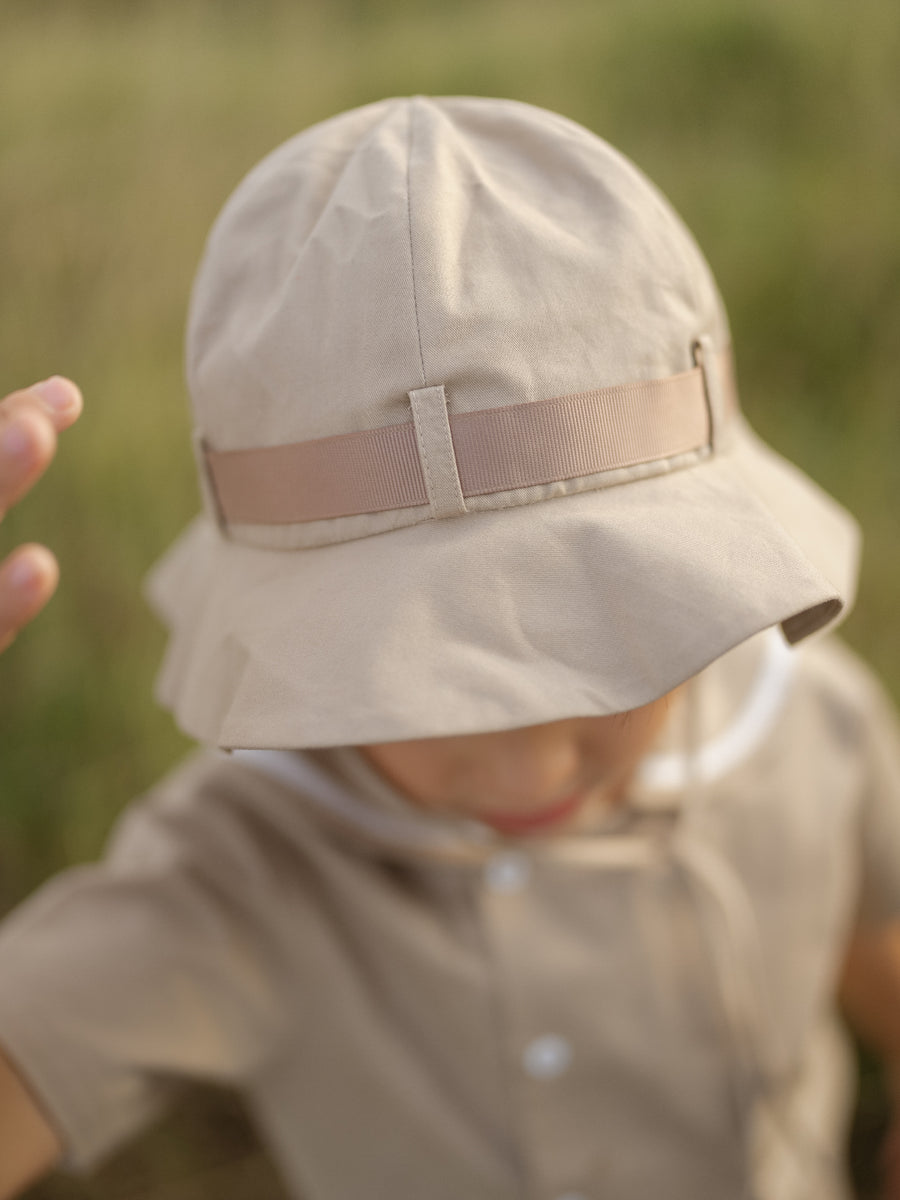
x: 419, y: 1009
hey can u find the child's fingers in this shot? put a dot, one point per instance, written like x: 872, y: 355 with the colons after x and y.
x: 29, y: 422
x: 58, y: 398
x: 28, y: 578
x: 27, y: 444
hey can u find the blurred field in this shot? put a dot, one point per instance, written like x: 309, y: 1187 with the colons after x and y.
x: 774, y: 128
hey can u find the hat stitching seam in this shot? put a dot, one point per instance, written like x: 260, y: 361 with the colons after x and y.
x: 412, y: 257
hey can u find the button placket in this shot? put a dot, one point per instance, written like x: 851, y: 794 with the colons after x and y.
x: 512, y: 880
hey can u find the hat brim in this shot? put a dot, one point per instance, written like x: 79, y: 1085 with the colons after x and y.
x: 582, y: 605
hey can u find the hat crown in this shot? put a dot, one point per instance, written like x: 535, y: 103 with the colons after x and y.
x: 486, y: 246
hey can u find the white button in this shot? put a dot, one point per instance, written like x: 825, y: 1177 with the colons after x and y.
x: 547, y: 1056
x: 508, y: 872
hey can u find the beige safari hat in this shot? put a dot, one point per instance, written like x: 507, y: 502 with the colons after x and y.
x: 470, y: 444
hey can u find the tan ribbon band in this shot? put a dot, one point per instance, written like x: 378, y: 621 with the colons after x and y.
x: 496, y: 450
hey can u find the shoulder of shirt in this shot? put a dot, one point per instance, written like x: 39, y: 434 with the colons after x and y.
x: 839, y: 677
x: 215, y: 779
x: 210, y: 807
x: 765, y: 698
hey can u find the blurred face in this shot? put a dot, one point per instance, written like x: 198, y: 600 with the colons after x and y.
x: 536, y: 780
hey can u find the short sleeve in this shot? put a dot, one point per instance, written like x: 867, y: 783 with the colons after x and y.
x: 120, y: 979
x: 880, y: 814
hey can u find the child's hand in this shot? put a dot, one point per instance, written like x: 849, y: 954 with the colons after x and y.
x: 29, y: 422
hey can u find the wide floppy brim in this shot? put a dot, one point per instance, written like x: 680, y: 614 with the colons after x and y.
x: 582, y: 605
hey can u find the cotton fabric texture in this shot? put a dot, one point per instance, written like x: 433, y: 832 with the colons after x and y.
x: 414, y: 1010
x: 431, y: 259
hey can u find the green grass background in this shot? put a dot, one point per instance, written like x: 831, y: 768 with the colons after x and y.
x: 773, y: 125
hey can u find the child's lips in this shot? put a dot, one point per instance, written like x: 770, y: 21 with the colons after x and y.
x: 533, y: 822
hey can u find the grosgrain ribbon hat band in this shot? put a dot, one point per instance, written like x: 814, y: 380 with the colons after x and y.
x: 441, y: 458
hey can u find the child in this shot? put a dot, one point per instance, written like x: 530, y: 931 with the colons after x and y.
x: 537, y: 855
